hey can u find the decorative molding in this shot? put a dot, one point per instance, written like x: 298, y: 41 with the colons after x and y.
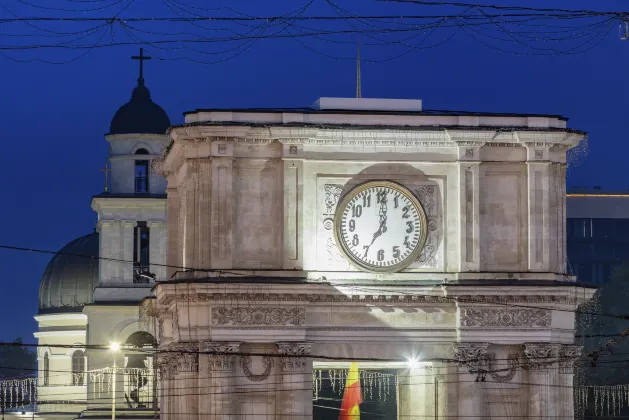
x: 290, y: 360
x: 222, y: 355
x: 332, y: 195
x: 505, y: 317
x: 245, y: 363
x: 258, y: 316
x: 513, y: 362
x: 427, y: 195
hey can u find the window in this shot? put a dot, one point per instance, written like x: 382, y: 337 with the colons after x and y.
x: 141, y: 241
x: 46, y: 369
x: 141, y: 173
x: 78, y: 368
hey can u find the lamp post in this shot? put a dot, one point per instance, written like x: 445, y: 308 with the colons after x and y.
x: 113, y: 347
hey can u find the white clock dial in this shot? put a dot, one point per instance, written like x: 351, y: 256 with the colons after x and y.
x: 380, y: 226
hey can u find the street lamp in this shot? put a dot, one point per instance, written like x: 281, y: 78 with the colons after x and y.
x: 113, y: 347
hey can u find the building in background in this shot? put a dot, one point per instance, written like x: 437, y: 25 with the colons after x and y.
x: 88, y: 303
x: 597, y: 233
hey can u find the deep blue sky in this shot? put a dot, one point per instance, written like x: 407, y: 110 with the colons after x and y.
x: 54, y: 116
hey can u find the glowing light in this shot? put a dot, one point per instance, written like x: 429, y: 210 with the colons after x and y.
x: 413, y: 363
x: 114, y: 346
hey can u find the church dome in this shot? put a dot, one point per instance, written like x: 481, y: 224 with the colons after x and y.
x: 69, y: 280
x: 140, y: 115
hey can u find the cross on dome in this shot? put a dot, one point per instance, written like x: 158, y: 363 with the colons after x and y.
x: 141, y: 58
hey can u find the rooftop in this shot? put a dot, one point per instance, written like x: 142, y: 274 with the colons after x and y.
x: 368, y: 112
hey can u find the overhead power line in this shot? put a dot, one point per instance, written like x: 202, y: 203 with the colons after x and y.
x: 216, y: 34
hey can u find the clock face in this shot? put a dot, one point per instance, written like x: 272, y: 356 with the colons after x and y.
x: 380, y: 226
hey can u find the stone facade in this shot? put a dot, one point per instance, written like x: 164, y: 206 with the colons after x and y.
x: 269, y: 297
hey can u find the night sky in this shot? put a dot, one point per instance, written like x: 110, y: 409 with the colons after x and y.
x: 54, y: 116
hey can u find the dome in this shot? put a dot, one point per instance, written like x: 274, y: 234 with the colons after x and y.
x: 69, y: 280
x: 140, y: 115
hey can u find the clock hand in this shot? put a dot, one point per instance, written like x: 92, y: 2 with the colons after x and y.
x: 375, y: 236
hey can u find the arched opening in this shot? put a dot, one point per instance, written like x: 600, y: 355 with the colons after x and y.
x: 78, y: 368
x: 140, y: 375
x: 46, y: 369
x: 142, y: 172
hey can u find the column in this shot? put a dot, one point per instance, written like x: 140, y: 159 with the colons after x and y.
x: 126, y: 267
x: 416, y: 392
x: 186, y: 380
x: 541, y: 364
x: 446, y: 383
x: 295, y: 388
x: 108, y: 234
x: 220, y: 362
x: 569, y: 354
x: 166, y: 371
x: 157, y: 249
x: 472, y: 361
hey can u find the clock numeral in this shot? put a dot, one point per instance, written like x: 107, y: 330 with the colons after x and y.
x: 367, y: 200
x: 405, y: 214
x: 352, y: 225
x: 410, y: 227
x: 380, y: 254
x: 395, y: 201
x: 382, y: 196
x: 366, y: 248
x: 396, y: 251
x: 357, y: 210
x: 355, y: 240
x: 406, y: 242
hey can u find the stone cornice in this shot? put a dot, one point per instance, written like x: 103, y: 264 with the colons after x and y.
x: 401, y: 296
x: 386, y: 136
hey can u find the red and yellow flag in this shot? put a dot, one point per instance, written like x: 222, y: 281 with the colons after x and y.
x: 353, y: 396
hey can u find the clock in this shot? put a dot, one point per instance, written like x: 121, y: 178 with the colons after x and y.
x: 380, y: 226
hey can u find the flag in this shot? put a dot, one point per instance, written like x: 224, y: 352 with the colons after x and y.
x: 353, y: 396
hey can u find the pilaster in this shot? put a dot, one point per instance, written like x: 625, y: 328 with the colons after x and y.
x: 157, y: 249
x: 109, y: 232
x: 174, y: 251
x: 538, y: 176
x: 219, y: 358
x: 544, y: 395
x: 469, y: 210
x: 221, y: 205
x: 472, y: 367
x: 126, y: 268
x: 295, y: 395
x: 293, y: 213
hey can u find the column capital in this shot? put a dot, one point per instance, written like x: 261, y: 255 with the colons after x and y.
x: 294, y: 355
x: 473, y: 356
x: 222, y: 354
x: 106, y: 223
x: 183, y: 358
x: 156, y: 223
x: 128, y: 223
x: 537, y: 151
x: 540, y: 355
